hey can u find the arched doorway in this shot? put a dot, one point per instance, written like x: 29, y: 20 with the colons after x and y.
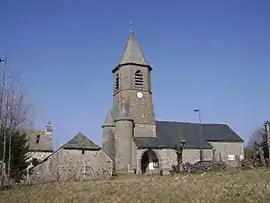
x: 149, y: 162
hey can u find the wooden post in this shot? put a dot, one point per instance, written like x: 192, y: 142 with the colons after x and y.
x: 84, y: 171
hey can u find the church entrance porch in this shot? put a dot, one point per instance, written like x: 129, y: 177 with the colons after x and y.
x: 149, y: 162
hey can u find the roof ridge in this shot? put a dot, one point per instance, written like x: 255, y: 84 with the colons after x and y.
x: 187, y: 122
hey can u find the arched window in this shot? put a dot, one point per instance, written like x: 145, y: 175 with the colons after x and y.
x: 138, y: 78
x: 37, y: 139
x: 117, y: 82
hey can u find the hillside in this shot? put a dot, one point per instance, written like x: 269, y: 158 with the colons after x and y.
x: 247, y: 186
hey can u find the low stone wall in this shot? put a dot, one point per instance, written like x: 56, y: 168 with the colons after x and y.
x: 66, y: 165
x: 167, y: 157
x: 40, y: 156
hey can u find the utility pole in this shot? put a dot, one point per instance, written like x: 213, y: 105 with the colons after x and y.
x: 2, y: 127
x: 201, y: 132
x: 10, y: 132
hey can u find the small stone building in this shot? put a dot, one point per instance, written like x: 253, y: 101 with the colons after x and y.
x: 40, y: 144
x: 79, y: 159
x: 136, y: 141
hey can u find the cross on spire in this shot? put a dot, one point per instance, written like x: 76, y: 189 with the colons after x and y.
x: 130, y: 26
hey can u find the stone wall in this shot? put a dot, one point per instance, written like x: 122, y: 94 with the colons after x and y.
x: 141, y: 109
x: 168, y: 157
x: 108, y: 144
x: 223, y: 151
x: 123, y: 145
x: 40, y: 156
x: 66, y: 165
x: 193, y: 155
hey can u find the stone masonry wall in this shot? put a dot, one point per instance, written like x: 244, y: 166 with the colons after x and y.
x: 224, y: 149
x: 123, y: 145
x: 168, y: 157
x: 72, y: 165
x: 141, y: 109
x: 193, y: 155
x: 108, y: 141
x: 40, y: 156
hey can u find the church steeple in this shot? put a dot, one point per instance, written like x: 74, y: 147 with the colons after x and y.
x: 133, y: 54
x: 132, y: 79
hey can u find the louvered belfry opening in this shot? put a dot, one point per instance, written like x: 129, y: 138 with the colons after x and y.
x: 138, y: 78
x: 117, y: 82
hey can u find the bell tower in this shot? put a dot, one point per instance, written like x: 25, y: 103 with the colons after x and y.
x: 132, y: 82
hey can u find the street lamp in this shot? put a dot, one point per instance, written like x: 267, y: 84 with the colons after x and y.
x: 201, y: 131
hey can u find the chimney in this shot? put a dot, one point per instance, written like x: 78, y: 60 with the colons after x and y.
x: 48, y: 128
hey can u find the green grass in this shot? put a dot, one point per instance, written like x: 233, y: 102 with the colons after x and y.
x: 244, y: 186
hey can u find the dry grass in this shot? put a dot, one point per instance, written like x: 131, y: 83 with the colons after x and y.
x: 244, y: 186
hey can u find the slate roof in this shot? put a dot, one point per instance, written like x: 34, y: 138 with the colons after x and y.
x: 169, y: 133
x: 132, y: 54
x: 109, y: 121
x: 45, y: 141
x: 80, y: 141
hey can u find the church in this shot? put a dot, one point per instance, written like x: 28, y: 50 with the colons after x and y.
x: 133, y: 140
x: 136, y: 141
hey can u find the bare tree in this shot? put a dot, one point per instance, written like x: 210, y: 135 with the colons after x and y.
x: 255, y: 148
x: 14, y: 113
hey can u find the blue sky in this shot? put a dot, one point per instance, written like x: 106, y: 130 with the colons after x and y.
x: 213, y: 55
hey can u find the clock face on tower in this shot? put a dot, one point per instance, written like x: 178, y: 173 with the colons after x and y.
x: 139, y: 95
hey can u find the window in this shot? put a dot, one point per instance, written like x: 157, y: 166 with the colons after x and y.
x: 231, y: 157
x: 117, y: 81
x: 138, y: 78
x: 83, y: 151
x: 37, y: 139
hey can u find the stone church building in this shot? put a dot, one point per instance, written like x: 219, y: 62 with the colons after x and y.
x: 136, y: 141
x: 133, y: 140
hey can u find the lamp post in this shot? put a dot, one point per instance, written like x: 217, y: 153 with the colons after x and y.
x: 198, y: 111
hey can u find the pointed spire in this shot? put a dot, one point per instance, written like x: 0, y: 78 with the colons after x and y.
x: 132, y: 52
x: 109, y: 122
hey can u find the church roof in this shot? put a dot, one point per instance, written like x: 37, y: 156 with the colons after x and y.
x: 109, y: 119
x: 169, y: 133
x: 132, y: 52
x: 80, y: 141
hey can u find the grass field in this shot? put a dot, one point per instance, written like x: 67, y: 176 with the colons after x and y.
x: 244, y: 186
